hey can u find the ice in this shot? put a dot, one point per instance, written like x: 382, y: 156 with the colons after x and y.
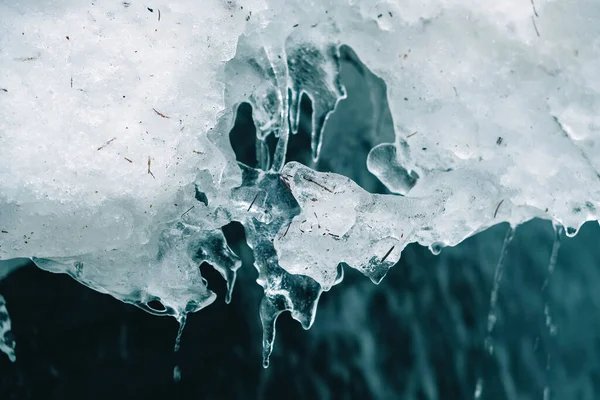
x: 116, y: 166
x: 182, y: 322
x: 7, y: 341
x: 99, y: 139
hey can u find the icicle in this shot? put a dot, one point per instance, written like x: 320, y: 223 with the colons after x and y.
x: 268, y: 316
x: 182, y: 320
x: 227, y: 269
x: 314, y: 71
x: 295, y: 100
x: 7, y: 343
x: 278, y: 61
x: 281, y: 149
x: 229, y: 276
x: 212, y: 247
x: 262, y: 154
x: 229, y: 290
x: 177, y: 369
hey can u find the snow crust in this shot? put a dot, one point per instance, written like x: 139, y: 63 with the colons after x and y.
x: 116, y: 166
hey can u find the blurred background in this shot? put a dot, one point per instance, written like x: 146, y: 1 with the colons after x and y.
x: 421, y: 334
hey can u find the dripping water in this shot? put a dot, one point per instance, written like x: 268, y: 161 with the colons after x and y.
x: 499, y: 272
x: 182, y: 319
x: 558, y: 230
x: 176, y: 374
x: 546, y: 393
x: 478, y: 389
x: 491, y: 319
x: 551, y: 328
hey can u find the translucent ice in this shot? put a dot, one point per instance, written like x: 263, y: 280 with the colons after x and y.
x: 116, y: 166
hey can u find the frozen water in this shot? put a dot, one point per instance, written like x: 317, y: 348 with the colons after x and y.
x: 7, y: 342
x: 116, y: 168
x: 101, y: 120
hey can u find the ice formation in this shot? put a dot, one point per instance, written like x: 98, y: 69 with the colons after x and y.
x: 7, y: 342
x: 116, y: 166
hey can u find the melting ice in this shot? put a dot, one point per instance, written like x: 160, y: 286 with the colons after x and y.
x: 116, y: 168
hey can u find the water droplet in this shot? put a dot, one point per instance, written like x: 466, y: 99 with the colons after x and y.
x: 177, y: 373
x: 478, y: 389
x: 546, y: 393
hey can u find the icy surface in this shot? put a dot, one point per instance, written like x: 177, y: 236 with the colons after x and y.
x: 116, y: 168
x: 7, y: 342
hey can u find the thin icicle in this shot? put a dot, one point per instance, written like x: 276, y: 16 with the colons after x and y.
x: 278, y: 60
x: 268, y: 316
x: 262, y: 154
x: 177, y: 369
x: 281, y: 149
x: 182, y: 320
